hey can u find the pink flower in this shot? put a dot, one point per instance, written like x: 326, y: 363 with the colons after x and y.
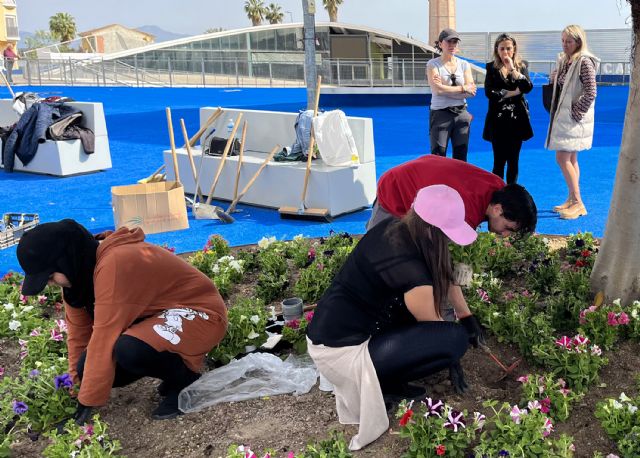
x: 580, y: 340
x: 35, y: 332
x: 441, y: 449
x: 564, y: 342
x: 23, y: 299
x: 42, y: 299
x: 1, y: 371
x: 22, y: 343
x: 526, y: 293
x: 583, y: 316
x: 509, y: 295
x: 308, y: 316
x: 55, y: 335
x: 534, y: 405
x: 290, y: 455
x: 595, y: 350
x: 623, y: 318
x: 561, y: 382
x: 565, y: 392
x: 434, y: 408
x: 293, y: 324
x: 517, y: 414
x: 611, y: 319
x: 484, y: 297
x: 523, y: 379
x: 479, y: 420
x: 320, y: 266
x: 545, y: 405
x: 547, y: 428
x: 62, y: 325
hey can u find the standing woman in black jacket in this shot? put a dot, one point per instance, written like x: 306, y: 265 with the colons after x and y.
x: 507, y: 123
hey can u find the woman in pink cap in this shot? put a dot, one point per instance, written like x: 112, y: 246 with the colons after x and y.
x: 378, y: 326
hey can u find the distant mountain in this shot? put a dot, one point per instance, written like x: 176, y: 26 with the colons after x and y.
x: 160, y: 34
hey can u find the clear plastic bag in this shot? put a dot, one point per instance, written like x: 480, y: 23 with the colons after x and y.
x: 254, y: 376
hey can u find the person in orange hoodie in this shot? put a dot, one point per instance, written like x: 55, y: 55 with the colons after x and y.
x: 133, y: 310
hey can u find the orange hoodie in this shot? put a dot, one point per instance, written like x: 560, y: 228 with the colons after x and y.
x: 132, y: 280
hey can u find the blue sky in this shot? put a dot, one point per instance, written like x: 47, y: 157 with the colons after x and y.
x: 402, y: 16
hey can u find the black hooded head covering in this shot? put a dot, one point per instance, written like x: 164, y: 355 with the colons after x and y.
x: 65, y: 247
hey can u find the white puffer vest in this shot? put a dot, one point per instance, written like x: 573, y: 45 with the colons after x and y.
x: 564, y: 133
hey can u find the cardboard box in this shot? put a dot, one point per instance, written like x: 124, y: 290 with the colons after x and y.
x: 155, y: 207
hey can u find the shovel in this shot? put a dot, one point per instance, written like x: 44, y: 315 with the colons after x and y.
x: 227, y: 147
x: 200, y: 209
x: 507, y: 370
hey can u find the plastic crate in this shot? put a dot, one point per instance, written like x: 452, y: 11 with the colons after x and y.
x: 13, y: 225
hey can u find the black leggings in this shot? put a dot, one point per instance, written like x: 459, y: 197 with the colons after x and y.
x: 136, y: 359
x: 417, y: 350
x: 506, y: 151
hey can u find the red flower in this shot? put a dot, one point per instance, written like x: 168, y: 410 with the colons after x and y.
x: 585, y: 253
x: 580, y: 263
x: 406, y: 417
x: 440, y: 450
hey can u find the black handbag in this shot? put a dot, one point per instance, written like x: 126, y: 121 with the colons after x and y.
x: 547, y: 96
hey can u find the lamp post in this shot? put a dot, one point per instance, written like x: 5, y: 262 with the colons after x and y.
x: 309, y: 10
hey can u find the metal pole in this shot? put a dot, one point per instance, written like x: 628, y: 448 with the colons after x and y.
x: 29, y: 72
x: 404, y: 81
x: 338, y: 70
x: 104, y: 74
x: 237, y: 74
x: 309, y: 30
x: 135, y: 65
x: 170, y: 72
x: 204, y: 81
x: 39, y: 74
x: 270, y: 76
x: 70, y: 71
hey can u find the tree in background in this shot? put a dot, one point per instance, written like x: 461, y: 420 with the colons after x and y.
x: 617, y: 268
x: 255, y: 10
x: 62, y: 26
x: 274, y: 14
x: 39, y: 39
x: 332, y: 8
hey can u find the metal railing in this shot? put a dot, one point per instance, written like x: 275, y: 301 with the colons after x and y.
x: 140, y: 70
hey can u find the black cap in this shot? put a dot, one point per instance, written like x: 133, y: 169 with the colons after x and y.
x: 37, y: 258
x: 448, y: 34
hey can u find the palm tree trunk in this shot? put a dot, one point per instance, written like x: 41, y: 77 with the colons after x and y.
x: 617, y: 268
x: 333, y: 15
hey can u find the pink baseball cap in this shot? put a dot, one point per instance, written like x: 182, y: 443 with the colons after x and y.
x: 442, y: 207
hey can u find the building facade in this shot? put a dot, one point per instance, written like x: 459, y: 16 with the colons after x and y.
x: 9, y: 32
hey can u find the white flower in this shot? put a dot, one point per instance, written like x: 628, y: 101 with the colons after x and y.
x: 265, y: 242
x: 617, y: 302
x: 215, y: 269
x: 225, y: 259
x: 617, y: 405
x: 27, y: 309
x: 236, y: 265
x: 8, y: 306
x: 252, y: 335
x: 494, y: 281
x: 545, y: 240
x: 255, y: 319
x: 633, y: 409
x: 272, y: 312
x: 38, y: 363
x: 634, y: 314
x: 624, y: 398
x: 14, y: 325
x: 496, y: 314
x: 298, y: 237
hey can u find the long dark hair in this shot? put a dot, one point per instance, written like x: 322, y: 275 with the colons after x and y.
x: 497, y: 62
x: 433, y: 246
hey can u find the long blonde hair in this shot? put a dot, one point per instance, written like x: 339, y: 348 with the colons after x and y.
x: 497, y: 62
x: 580, y: 36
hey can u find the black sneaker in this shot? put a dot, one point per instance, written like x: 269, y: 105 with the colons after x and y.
x: 168, y: 407
x: 396, y: 392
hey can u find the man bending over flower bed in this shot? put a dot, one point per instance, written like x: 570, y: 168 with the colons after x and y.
x: 133, y: 310
x: 378, y: 326
x: 507, y: 209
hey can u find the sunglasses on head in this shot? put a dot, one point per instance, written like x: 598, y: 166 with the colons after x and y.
x: 453, y: 79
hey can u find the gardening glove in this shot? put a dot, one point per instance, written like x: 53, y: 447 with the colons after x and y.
x: 83, y: 414
x: 474, y: 329
x: 456, y: 375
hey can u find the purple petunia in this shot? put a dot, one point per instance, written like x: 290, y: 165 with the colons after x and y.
x: 63, y: 381
x: 19, y: 407
x: 34, y: 373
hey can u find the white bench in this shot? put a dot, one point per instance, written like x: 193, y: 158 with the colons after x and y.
x: 66, y: 157
x: 338, y: 189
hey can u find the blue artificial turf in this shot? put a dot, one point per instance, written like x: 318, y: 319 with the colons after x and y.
x: 137, y: 129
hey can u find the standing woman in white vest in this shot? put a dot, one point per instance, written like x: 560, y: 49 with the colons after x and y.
x: 572, y: 114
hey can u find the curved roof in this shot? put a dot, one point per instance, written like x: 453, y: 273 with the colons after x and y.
x: 294, y: 25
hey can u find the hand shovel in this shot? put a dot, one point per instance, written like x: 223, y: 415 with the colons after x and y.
x: 507, y: 370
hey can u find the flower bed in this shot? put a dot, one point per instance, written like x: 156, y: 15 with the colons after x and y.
x: 534, y: 302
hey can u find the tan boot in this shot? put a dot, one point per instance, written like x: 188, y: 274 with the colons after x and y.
x: 567, y: 203
x: 576, y: 210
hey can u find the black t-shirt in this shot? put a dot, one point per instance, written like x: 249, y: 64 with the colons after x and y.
x: 367, y: 295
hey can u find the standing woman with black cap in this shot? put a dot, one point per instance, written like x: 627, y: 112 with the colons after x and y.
x: 451, y: 84
x: 133, y: 310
